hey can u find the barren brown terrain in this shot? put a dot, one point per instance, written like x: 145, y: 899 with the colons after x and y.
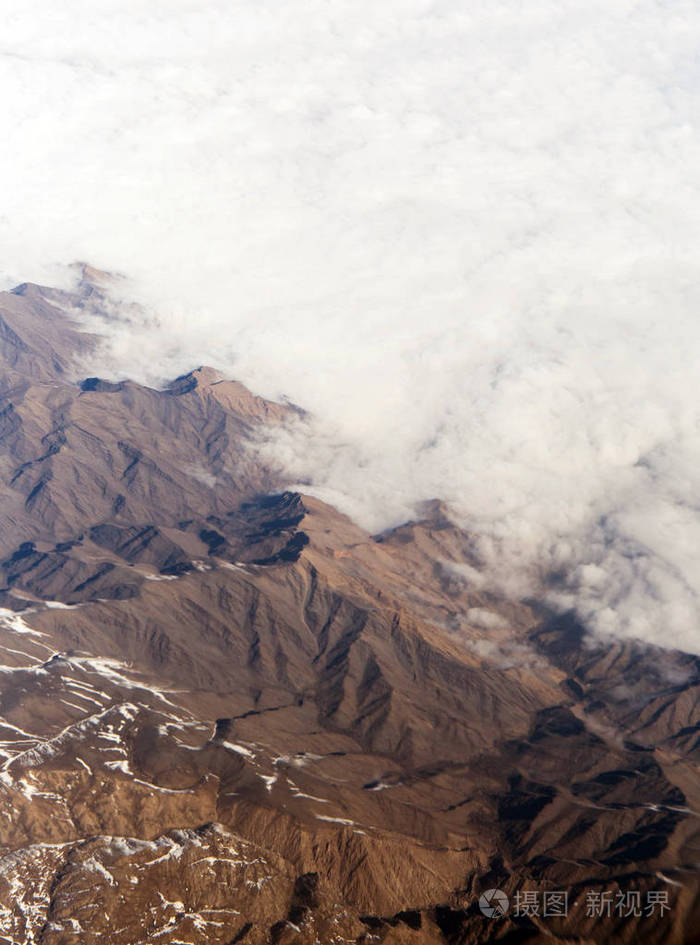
x: 229, y: 715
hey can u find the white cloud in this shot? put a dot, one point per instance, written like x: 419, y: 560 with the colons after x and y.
x: 487, y: 619
x: 462, y: 233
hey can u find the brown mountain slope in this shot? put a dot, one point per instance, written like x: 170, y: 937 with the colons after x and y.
x: 227, y: 714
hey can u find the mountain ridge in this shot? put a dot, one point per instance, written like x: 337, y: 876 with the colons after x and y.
x: 227, y: 713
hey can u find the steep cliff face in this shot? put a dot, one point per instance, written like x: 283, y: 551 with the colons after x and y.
x: 227, y: 714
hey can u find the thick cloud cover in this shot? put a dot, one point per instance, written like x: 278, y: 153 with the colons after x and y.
x: 463, y: 233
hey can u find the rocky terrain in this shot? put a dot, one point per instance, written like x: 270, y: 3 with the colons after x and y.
x: 229, y: 715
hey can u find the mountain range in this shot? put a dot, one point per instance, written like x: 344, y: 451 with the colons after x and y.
x: 228, y: 714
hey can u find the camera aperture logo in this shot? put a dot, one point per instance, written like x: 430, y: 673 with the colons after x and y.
x: 493, y: 903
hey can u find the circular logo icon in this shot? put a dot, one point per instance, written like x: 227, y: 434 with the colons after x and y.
x: 493, y: 903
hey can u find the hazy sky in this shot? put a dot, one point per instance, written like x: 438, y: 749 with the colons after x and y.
x: 463, y: 234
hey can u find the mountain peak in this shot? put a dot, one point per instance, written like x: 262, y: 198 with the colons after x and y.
x: 200, y: 377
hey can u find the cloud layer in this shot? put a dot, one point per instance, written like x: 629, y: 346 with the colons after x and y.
x: 462, y: 233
